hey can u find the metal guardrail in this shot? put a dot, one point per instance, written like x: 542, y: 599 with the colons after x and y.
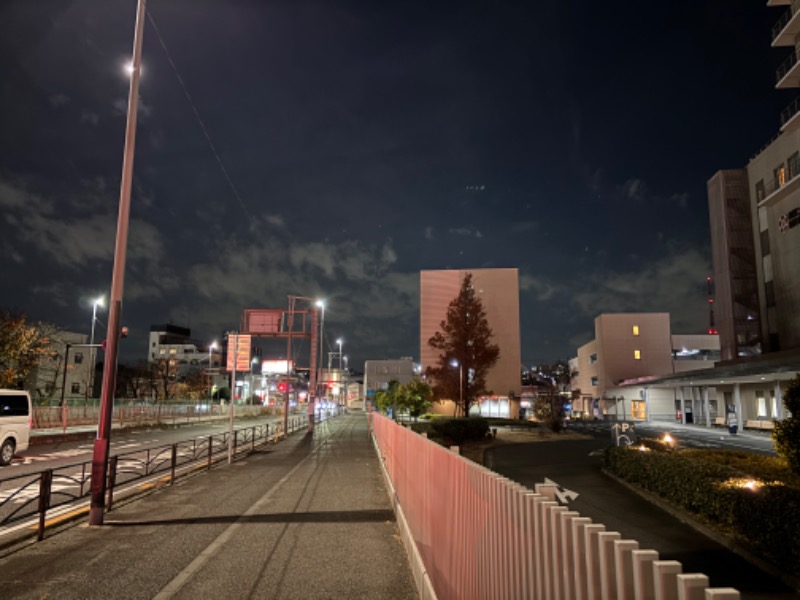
x: 33, y: 495
x: 786, y: 66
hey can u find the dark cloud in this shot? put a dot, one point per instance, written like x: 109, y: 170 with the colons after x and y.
x: 335, y: 150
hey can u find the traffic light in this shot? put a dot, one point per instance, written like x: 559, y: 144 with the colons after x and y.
x: 331, y: 385
x: 123, y: 333
x: 282, y: 387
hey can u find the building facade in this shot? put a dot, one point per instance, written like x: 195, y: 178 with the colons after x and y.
x: 49, y: 382
x: 498, y: 290
x: 628, y: 351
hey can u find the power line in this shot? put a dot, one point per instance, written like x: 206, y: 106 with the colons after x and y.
x: 199, y: 119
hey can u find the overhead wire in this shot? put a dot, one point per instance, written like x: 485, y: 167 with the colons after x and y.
x: 199, y: 118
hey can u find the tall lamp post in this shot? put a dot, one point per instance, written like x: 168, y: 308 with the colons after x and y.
x: 103, y: 441
x: 211, y: 347
x: 97, y: 302
x: 339, y: 343
x: 456, y: 363
x: 321, y: 305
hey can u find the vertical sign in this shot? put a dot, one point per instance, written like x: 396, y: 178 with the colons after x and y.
x: 242, y: 350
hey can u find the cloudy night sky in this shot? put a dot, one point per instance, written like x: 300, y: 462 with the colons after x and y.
x: 336, y: 148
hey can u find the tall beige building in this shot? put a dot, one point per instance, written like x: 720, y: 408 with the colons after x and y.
x: 499, y: 292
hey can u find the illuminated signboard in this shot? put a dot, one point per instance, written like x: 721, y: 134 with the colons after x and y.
x: 275, y: 366
x: 241, y: 345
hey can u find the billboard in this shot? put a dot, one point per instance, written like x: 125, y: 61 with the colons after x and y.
x: 276, y: 366
x: 263, y: 321
x: 240, y: 344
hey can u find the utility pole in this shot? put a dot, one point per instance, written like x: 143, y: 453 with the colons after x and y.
x: 103, y: 441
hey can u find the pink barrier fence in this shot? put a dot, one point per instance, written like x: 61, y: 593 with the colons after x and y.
x: 479, y: 535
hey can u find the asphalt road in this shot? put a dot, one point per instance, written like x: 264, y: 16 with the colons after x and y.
x: 576, y: 466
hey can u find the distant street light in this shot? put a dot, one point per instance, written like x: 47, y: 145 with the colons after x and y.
x: 339, y: 342
x: 211, y: 347
x: 98, y: 302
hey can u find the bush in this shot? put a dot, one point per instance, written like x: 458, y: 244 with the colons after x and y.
x: 460, y: 430
x: 787, y: 432
x: 710, y: 485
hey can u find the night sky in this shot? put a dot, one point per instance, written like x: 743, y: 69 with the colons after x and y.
x: 355, y: 143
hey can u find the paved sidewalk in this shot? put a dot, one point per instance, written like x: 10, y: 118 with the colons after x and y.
x: 306, y: 518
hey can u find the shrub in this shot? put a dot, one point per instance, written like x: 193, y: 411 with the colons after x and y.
x: 460, y: 430
x: 787, y: 431
x: 710, y: 485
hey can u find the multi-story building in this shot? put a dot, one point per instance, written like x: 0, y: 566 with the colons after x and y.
x: 48, y: 380
x: 499, y: 292
x: 174, y: 344
x: 378, y: 374
x: 629, y: 350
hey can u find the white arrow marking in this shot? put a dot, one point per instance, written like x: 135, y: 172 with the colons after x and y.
x: 564, y: 496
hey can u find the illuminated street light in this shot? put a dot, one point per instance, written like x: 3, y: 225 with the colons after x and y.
x: 455, y: 363
x: 97, y: 302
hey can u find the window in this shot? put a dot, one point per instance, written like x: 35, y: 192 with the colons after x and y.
x: 76, y: 388
x: 762, y: 404
x: 794, y: 165
x: 13, y: 405
x: 162, y: 352
x: 174, y: 351
x: 637, y: 355
x: 635, y: 330
x: 780, y: 176
x: 594, y: 381
x: 78, y: 358
x: 593, y: 359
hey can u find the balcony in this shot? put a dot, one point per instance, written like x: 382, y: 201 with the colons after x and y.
x: 788, y: 74
x: 787, y: 27
x: 779, y: 2
x: 777, y: 190
x: 790, y: 116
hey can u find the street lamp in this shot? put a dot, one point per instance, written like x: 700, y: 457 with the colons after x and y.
x: 97, y: 302
x: 211, y: 347
x: 321, y: 305
x: 455, y: 363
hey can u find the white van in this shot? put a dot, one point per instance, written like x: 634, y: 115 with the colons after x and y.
x: 16, y: 420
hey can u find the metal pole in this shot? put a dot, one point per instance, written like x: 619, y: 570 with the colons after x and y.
x: 233, y: 395
x: 103, y: 441
x: 64, y: 387
x: 288, y: 368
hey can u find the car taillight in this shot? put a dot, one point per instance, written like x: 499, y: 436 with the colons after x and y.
x: 30, y: 422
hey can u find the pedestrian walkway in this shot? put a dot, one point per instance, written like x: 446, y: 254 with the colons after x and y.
x: 305, y: 518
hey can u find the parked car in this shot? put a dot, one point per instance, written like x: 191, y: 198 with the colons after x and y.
x: 16, y: 420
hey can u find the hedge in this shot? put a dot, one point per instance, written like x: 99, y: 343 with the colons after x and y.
x: 709, y: 484
x: 460, y: 430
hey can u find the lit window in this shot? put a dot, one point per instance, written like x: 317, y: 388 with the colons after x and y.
x: 173, y: 351
x: 637, y: 355
x: 635, y: 330
x: 162, y: 351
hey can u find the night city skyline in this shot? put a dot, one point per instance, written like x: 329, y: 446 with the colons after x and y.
x: 335, y: 150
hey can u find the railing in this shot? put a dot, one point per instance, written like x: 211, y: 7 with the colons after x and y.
x: 785, y: 18
x: 786, y: 66
x: 480, y: 535
x: 790, y: 111
x: 25, y: 497
x: 46, y: 417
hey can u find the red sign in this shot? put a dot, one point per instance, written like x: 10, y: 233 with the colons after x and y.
x: 239, y: 344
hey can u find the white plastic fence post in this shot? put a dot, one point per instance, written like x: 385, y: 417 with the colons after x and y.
x: 692, y: 586
x: 722, y: 594
x: 643, y: 582
x: 568, y: 558
x: 665, y: 574
x: 608, y: 575
x: 623, y: 556
x: 580, y: 573
x: 593, y: 559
